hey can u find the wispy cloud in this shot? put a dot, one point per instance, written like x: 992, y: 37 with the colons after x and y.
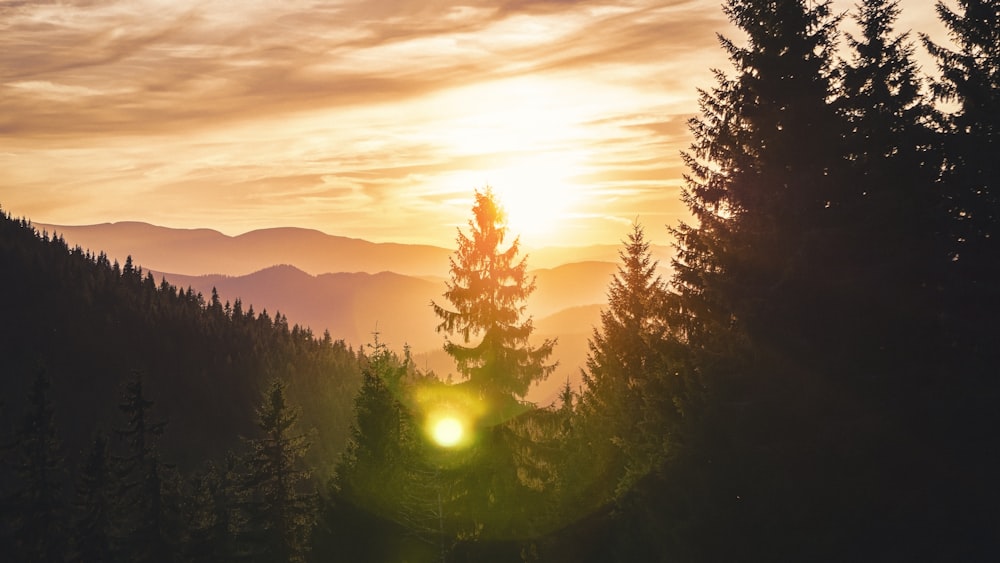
x: 350, y: 116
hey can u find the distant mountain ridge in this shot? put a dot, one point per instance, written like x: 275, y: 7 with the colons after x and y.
x: 354, y: 288
x: 205, y: 251
x: 353, y: 306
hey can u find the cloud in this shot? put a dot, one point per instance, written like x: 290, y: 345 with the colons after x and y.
x: 197, y: 65
x: 361, y: 113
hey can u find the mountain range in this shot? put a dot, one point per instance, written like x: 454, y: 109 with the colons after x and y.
x: 206, y: 251
x: 354, y: 288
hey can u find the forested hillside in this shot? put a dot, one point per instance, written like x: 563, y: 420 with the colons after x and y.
x: 90, y: 324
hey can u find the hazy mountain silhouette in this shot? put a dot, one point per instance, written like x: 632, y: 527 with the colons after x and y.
x: 354, y: 287
x: 352, y: 306
x: 206, y: 251
x: 550, y: 256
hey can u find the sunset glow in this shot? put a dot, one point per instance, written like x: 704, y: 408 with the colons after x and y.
x: 367, y: 119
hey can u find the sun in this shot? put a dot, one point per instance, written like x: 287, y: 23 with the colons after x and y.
x: 447, y: 431
x: 527, y: 139
x: 537, y: 194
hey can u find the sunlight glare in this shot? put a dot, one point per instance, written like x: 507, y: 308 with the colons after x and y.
x: 447, y: 431
x: 536, y: 192
x: 525, y: 138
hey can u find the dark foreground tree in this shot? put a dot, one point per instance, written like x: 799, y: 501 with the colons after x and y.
x: 37, y: 507
x: 970, y: 80
x: 625, y: 361
x: 280, y: 503
x: 965, y: 401
x: 780, y: 426
x: 893, y: 199
x: 148, y: 517
x: 94, y: 505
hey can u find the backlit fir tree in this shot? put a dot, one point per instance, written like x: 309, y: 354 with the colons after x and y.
x: 625, y: 359
x: 488, y: 290
x: 499, y: 492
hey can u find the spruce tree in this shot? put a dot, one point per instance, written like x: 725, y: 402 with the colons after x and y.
x: 213, y: 517
x: 94, y: 505
x: 970, y: 81
x: 625, y: 359
x: 892, y: 196
x: 756, y: 301
x: 499, y: 490
x: 965, y: 401
x: 39, y: 512
x: 762, y: 182
x: 488, y: 289
x: 148, y: 516
x: 280, y: 505
x: 371, y: 470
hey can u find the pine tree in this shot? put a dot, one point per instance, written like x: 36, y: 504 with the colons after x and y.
x: 38, y: 507
x: 386, y: 473
x: 370, y: 471
x: 148, y: 512
x: 488, y: 288
x: 280, y: 507
x: 964, y: 404
x: 625, y: 359
x: 756, y: 305
x: 761, y: 184
x: 498, y: 493
x: 213, y: 520
x: 92, y: 529
x: 971, y: 81
x: 893, y: 198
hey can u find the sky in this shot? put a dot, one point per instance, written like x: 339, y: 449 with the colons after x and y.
x: 370, y: 119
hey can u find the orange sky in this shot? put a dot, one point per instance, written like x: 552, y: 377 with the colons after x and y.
x: 372, y: 119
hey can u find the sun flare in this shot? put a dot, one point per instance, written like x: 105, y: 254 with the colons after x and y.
x: 447, y: 431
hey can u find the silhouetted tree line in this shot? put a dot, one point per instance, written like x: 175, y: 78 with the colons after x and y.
x: 89, y: 322
x: 815, y: 382
x: 125, y: 502
x: 89, y: 474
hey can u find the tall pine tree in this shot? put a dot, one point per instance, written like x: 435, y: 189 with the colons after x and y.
x: 39, y: 511
x: 279, y: 501
x: 93, y: 531
x: 970, y: 81
x: 499, y: 489
x: 148, y: 521
x: 966, y: 401
x: 488, y: 290
x: 893, y: 198
x: 759, y: 302
x: 626, y: 358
